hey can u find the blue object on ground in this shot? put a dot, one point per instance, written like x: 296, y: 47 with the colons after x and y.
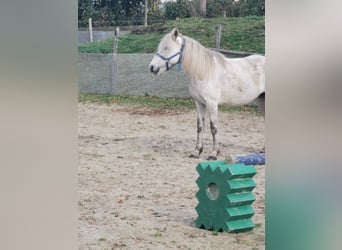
x: 252, y: 159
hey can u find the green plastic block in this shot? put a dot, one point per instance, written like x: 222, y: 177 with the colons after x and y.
x: 241, y: 171
x: 241, y: 212
x: 241, y: 185
x: 212, y: 219
x: 238, y: 226
x: 239, y: 199
x: 233, y: 171
x: 224, y: 196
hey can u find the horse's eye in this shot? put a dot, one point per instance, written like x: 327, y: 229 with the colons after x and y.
x: 165, y: 48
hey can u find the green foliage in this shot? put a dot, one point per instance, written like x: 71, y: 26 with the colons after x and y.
x: 179, y: 9
x: 115, y: 13
x: 171, y: 10
x: 250, y: 7
x: 110, y: 12
x: 215, y: 8
x: 215, y: 233
x: 85, y: 11
x: 243, y: 34
x: 257, y: 225
x: 133, y: 10
x: 241, y: 8
x: 104, y: 46
x: 144, y: 43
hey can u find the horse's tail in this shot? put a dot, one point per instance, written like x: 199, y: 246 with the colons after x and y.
x: 260, y: 102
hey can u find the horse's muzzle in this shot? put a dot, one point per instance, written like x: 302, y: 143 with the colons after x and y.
x: 154, y: 70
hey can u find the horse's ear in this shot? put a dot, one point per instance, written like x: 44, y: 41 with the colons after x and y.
x: 175, y: 33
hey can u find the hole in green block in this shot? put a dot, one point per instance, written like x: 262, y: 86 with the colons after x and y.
x: 213, y: 191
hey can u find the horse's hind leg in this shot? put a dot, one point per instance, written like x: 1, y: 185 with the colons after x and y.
x: 213, y: 110
x: 201, y: 110
x: 260, y: 102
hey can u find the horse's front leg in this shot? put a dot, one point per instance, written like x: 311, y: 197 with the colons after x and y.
x: 213, y: 111
x: 201, y: 109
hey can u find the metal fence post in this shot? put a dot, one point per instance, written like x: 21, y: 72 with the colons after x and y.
x: 218, y: 36
x: 114, y: 76
x: 90, y: 30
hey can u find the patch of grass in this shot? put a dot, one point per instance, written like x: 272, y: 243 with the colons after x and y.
x: 95, y: 98
x: 144, y: 43
x: 157, y: 234
x: 240, y: 33
x: 245, y: 108
x: 144, y: 101
x: 104, y: 46
x: 258, y: 225
x: 156, y: 102
x: 215, y: 233
x: 102, y: 239
x: 242, y: 241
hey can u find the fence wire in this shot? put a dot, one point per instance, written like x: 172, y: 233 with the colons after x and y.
x: 128, y: 74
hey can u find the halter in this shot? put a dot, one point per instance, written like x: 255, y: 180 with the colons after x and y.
x: 180, y: 53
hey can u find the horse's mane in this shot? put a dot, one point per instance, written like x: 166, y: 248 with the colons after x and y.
x: 199, y: 61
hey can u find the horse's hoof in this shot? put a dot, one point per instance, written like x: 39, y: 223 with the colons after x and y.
x: 212, y: 158
x: 194, y: 156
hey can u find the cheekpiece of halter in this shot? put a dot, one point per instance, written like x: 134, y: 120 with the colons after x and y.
x: 167, y: 59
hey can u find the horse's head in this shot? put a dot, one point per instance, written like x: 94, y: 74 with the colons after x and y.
x: 169, y: 54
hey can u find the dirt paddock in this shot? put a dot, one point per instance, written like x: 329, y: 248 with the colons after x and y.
x: 137, y: 184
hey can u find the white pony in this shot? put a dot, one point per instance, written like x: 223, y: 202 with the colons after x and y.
x: 215, y: 80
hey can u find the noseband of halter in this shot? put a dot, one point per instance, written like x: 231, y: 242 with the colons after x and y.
x: 167, y: 59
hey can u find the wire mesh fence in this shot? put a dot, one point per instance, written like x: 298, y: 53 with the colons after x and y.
x: 94, y: 73
x: 128, y: 74
x: 84, y: 35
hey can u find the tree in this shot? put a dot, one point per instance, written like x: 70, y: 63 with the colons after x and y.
x: 153, y: 5
x: 132, y: 10
x: 215, y: 8
x: 181, y: 9
x: 85, y: 11
x: 155, y: 14
x: 146, y: 12
x: 256, y: 7
x: 236, y: 8
x: 203, y: 8
x: 249, y: 7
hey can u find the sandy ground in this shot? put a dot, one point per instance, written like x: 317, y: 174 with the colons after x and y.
x: 137, y: 184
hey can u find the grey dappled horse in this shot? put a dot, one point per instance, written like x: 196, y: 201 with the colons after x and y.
x: 215, y: 80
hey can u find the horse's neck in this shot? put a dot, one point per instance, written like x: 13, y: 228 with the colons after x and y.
x: 197, y: 60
